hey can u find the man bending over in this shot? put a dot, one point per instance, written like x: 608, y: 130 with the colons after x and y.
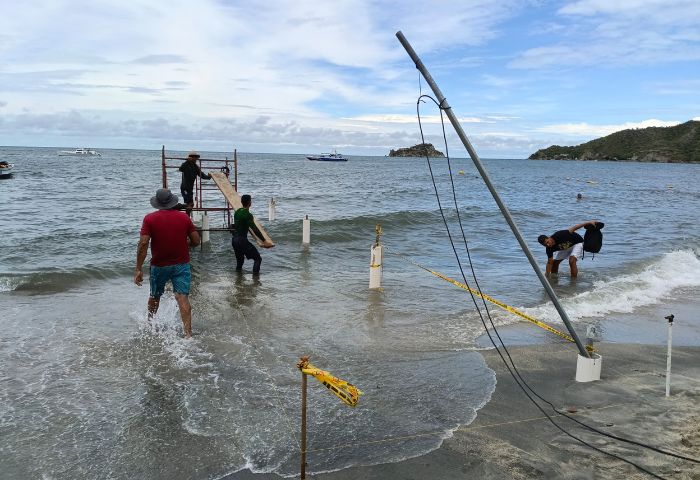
x: 562, y: 245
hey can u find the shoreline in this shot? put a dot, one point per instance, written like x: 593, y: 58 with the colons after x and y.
x: 510, y: 438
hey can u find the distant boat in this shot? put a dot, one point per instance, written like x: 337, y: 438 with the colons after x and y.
x: 6, y: 169
x: 328, y: 157
x: 78, y: 152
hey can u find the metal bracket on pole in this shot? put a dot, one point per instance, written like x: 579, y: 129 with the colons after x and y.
x: 475, y: 158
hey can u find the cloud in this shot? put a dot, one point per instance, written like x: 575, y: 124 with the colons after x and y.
x: 401, y: 118
x: 641, y: 8
x: 160, y: 59
x: 262, y: 132
x: 290, y: 52
x: 595, y: 131
x: 620, y: 33
x: 301, y: 74
x: 678, y: 87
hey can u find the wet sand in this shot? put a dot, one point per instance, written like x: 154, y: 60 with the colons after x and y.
x: 512, y: 439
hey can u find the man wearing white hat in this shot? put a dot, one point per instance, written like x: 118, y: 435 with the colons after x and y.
x: 170, y: 233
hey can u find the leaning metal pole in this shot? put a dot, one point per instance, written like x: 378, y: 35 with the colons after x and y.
x: 504, y: 210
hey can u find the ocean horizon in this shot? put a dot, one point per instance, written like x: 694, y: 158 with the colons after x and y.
x: 91, y: 389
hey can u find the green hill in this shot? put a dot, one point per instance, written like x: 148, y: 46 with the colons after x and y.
x: 420, y: 150
x: 679, y: 144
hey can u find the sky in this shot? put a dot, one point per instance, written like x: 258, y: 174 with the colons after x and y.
x: 311, y: 76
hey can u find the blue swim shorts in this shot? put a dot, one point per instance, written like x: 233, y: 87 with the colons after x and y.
x: 179, y: 274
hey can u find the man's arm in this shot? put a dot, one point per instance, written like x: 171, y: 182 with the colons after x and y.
x: 258, y: 233
x: 577, y: 226
x: 202, y: 174
x: 550, y: 263
x: 194, y: 238
x: 254, y: 228
x: 141, y: 252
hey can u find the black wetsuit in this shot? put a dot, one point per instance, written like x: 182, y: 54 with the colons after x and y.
x: 243, y: 220
x: 189, y: 170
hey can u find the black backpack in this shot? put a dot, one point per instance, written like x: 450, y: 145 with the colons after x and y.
x: 593, y: 238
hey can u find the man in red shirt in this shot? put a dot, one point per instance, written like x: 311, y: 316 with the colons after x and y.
x: 168, y: 232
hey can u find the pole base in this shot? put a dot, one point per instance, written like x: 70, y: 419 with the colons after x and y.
x: 375, y: 277
x: 588, y: 369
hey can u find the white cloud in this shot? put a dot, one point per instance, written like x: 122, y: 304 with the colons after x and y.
x: 280, y: 55
x: 301, y: 74
x: 400, y: 118
x: 627, y: 7
x: 685, y: 86
x: 620, y: 33
x: 594, y: 131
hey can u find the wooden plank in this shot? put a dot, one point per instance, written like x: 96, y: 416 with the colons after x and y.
x: 234, y: 199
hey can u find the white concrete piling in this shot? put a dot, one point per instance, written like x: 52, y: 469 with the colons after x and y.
x: 375, y: 267
x: 306, y: 231
x: 271, y: 209
x: 668, y: 355
x: 588, y: 369
x: 205, y: 228
x: 376, y: 261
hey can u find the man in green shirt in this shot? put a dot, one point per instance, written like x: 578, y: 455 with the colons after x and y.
x: 243, y: 221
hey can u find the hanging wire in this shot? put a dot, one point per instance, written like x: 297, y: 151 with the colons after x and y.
x: 520, y: 381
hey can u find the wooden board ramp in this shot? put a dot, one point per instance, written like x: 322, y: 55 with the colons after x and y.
x: 234, y: 199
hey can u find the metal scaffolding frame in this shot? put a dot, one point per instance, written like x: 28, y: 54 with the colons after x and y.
x: 202, y: 204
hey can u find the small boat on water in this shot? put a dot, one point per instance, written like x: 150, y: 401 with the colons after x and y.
x: 6, y: 169
x: 78, y: 152
x: 328, y: 157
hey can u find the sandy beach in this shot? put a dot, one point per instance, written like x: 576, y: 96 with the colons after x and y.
x: 512, y: 439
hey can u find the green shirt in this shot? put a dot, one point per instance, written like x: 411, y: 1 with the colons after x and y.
x: 242, y: 221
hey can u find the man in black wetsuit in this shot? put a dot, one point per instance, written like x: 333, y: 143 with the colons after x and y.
x: 243, y: 221
x: 562, y: 245
x: 190, y: 170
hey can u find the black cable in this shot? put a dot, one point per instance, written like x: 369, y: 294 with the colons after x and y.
x: 518, y: 379
x: 466, y: 246
x: 471, y: 265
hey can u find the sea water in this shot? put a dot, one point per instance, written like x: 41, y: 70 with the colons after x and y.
x: 90, y: 389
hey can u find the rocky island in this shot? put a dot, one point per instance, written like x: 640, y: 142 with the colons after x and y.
x: 420, y: 150
x: 679, y: 144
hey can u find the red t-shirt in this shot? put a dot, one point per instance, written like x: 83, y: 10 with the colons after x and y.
x: 168, y: 230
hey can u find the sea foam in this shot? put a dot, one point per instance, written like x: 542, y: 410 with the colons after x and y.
x: 623, y: 294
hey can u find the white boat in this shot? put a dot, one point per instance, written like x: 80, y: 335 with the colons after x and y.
x: 78, y: 152
x: 328, y: 157
x: 6, y: 169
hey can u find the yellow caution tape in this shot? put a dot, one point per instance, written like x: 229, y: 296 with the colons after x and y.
x: 347, y: 392
x: 495, y: 302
